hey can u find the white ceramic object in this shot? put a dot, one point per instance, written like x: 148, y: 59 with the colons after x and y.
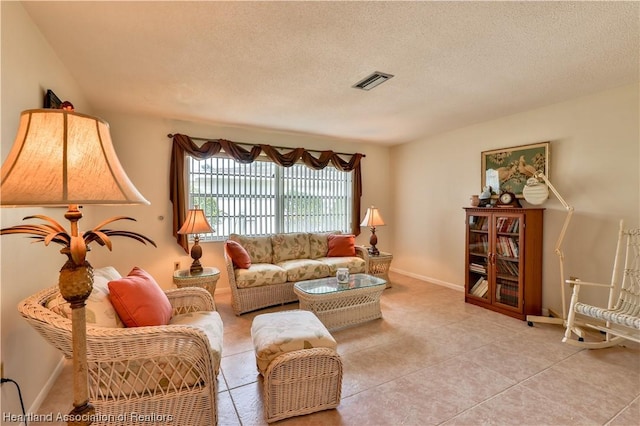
x: 342, y: 275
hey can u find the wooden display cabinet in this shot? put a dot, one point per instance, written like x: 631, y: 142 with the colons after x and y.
x: 503, y: 260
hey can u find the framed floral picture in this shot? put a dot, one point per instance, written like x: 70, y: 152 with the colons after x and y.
x: 509, y: 168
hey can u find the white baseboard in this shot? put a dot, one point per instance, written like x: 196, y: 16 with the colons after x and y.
x: 47, y: 387
x: 429, y: 279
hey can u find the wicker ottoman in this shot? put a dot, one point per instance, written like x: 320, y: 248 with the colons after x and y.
x: 297, y: 358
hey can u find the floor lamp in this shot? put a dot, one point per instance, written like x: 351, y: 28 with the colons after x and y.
x: 537, y: 193
x: 59, y: 158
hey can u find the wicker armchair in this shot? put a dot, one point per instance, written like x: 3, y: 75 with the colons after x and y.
x: 168, y: 372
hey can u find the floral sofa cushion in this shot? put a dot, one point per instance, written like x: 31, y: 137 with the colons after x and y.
x: 318, y: 244
x: 260, y: 274
x: 356, y: 265
x: 259, y: 248
x: 99, y: 310
x: 304, y: 269
x: 280, y: 332
x: 290, y: 246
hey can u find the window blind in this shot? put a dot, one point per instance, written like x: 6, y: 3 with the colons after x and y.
x: 262, y: 198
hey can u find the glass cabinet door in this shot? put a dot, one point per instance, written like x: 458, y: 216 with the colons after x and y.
x: 507, y: 290
x: 478, y: 261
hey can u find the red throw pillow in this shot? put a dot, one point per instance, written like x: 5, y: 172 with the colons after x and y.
x: 139, y: 300
x: 239, y: 255
x: 341, y: 245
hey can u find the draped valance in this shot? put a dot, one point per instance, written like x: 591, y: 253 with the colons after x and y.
x: 183, y: 144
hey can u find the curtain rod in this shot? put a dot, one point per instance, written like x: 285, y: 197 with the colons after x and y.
x: 253, y: 144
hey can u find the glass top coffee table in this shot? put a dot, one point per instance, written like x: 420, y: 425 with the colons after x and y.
x: 341, y: 305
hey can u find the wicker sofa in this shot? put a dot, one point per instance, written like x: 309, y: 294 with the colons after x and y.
x: 167, y: 371
x: 278, y: 261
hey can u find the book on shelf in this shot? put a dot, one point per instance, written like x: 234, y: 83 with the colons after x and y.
x: 480, y: 288
x: 479, y: 243
x: 479, y: 223
x: 508, y: 225
x: 513, y: 247
x: 502, y: 246
x: 484, y: 288
x: 478, y: 268
x: 506, y: 267
x: 508, y: 293
x: 475, y: 286
x: 507, y: 247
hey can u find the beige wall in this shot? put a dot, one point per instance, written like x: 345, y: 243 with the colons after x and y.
x: 594, y: 160
x: 29, y: 67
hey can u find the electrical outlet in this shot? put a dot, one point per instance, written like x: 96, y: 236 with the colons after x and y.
x: 176, y: 265
x: 572, y: 278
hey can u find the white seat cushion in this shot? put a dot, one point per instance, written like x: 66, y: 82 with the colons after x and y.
x: 210, y: 323
x: 99, y: 310
x: 280, y: 332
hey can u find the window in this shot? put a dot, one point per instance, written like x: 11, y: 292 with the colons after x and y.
x: 262, y: 198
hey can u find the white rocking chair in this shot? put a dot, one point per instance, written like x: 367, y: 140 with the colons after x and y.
x: 620, y: 320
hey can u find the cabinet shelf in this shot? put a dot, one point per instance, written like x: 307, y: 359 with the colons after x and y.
x: 510, y: 259
x: 510, y: 243
x: 478, y: 254
x: 508, y: 278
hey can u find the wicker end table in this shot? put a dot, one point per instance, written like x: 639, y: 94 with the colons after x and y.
x: 207, y: 279
x: 379, y: 266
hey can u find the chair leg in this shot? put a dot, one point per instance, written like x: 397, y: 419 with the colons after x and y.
x: 572, y: 313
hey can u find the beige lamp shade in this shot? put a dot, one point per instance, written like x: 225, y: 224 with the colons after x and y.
x: 195, y: 223
x: 373, y: 218
x: 61, y: 157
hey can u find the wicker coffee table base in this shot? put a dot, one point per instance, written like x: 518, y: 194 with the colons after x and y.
x: 343, y: 309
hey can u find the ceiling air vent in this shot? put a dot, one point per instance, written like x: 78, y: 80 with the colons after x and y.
x: 372, y: 80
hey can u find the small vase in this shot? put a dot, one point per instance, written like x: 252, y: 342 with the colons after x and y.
x: 475, y: 200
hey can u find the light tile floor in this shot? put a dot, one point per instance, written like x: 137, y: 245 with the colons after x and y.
x: 433, y: 360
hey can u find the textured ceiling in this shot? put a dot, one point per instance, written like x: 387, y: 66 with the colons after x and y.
x: 290, y: 65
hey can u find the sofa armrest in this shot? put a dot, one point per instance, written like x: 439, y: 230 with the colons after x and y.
x: 190, y: 299
x: 363, y: 253
x: 230, y: 270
